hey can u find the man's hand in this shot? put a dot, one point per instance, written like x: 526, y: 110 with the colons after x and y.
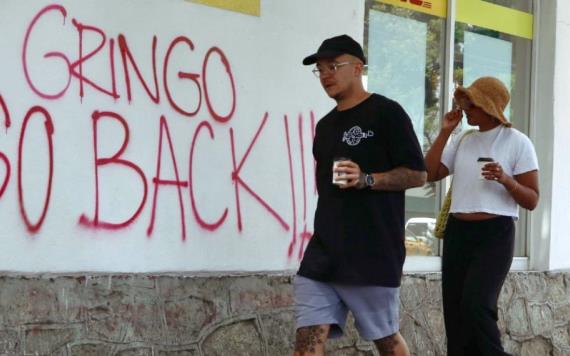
x: 352, y: 173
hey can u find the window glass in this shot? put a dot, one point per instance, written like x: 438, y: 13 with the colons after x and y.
x: 405, y: 48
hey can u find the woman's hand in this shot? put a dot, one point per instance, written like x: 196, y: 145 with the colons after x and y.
x: 451, y: 120
x: 435, y: 169
x: 522, y: 187
x: 494, y: 171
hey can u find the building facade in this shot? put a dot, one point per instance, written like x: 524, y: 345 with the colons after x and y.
x: 157, y: 183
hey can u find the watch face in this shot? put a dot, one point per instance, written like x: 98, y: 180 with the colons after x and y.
x: 369, y: 180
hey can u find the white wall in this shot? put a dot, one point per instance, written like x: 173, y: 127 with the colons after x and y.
x: 263, y: 54
x: 560, y: 240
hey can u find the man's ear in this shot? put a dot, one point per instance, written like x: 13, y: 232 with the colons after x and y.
x: 358, y: 69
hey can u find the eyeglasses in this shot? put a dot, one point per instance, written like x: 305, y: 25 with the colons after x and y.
x: 329, y: 68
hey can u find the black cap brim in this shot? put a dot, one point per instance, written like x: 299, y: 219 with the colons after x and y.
x: 313, y: 58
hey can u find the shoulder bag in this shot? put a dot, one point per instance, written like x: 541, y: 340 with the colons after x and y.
x: 441, y: 220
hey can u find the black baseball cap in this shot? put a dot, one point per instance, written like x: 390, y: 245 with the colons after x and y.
x: 335, y: 46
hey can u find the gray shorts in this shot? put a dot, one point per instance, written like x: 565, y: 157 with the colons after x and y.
x: 376, y: 309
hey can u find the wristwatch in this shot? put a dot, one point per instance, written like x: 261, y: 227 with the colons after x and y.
x: 369, y: 180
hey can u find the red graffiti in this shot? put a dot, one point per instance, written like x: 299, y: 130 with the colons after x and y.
x: 7, y: 124
x: 6, y: 179
x: 75, y: 69
x: 3, y: 157
x: 185, y: 89
x: 34, y: 227
x: 215, y: 115
x: 115, y: 160
x: 84, y: 58
x: 182, y: 75
x: 4, y: 107
x: 302, y: 153
x: 305, y: 234
x: 292, y: 181
x: 203, y: 224
x: 313, y: 125
x: 238, y: 181
x: 127, y: 56
x: 44, y: 11
x: 157, y: 181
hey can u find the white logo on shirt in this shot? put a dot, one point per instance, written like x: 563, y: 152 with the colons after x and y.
x: 353, y: 136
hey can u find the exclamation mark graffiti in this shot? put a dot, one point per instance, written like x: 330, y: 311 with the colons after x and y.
x: 305, y: 235
x: 292, y: 178
x: 298, y: 241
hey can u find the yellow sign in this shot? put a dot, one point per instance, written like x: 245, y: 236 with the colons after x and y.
x: 431, y: 7
x: 495, y: 17
x: 249, y: 7
x: 475, y: 12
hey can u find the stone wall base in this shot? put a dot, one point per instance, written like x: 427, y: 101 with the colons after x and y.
x: 247, y: 314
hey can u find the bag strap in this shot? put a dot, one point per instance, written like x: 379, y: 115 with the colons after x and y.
x: 467, y: 133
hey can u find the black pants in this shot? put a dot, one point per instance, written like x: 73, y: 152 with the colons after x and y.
x: 477, y: 256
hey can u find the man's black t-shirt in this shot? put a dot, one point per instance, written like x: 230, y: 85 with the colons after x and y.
x: 359, y: 234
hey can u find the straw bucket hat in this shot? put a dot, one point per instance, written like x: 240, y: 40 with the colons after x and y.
x: 489, y: 94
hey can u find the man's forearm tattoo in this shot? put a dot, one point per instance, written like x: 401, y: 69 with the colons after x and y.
x: 387, y: 345
x: 308, y: 338
x: 401, y: 179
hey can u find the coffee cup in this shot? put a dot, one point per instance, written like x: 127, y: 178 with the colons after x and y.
x: 338, y: 177
x: 482, y: 161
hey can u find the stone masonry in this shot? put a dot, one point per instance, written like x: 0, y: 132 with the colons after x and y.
x: 243, y: 314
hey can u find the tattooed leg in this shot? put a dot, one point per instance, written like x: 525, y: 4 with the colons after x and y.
x: 310, y: 340
x: 393, y: 345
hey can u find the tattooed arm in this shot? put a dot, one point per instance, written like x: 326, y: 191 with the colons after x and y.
x: 397, y: 179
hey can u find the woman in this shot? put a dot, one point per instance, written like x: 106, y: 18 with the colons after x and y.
x: 479, y: 238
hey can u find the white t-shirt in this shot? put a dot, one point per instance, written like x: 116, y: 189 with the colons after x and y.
x: 511, y: 148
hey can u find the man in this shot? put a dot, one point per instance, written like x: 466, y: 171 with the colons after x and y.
x: 354, y: 259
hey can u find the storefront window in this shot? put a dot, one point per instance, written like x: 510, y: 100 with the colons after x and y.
x: 405, y: 43
x: 405, y: 50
